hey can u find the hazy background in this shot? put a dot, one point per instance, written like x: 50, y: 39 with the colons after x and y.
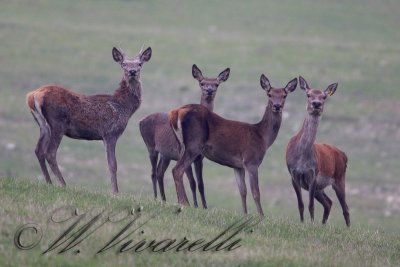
x: 354, y: 43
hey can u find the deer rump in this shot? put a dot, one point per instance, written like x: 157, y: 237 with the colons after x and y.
x: 331, y: 164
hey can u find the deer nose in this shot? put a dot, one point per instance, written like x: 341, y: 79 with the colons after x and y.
x: 132, y: 72
x: 316, y: 104
x: 277, y: 106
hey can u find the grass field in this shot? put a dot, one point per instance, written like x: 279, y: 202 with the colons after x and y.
x: 354, y: 43
x: 273, y: 242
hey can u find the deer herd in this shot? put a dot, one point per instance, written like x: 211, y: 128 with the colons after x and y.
x: 192, y: 132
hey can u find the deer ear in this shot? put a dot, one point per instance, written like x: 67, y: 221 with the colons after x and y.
x: 303, y: 84
x: 145, y: 55
x: 224, y: 75
x: 196, y: 72
x: 117, y: 55
x: 291, y: 86
x: 330, y: 90
x: 265, y: 83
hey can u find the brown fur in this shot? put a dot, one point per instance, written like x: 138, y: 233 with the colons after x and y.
x: 59, y: 111
x: 235, y: 144
x: 173, y: 117
x: 86, y: 117
x: 163, y: 146
x: 332, y: 162
x: 315, y: 166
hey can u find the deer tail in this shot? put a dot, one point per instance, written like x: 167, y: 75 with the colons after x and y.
x: 35, y: 103
x: 345, y: 160
x: 176, y: 124
x: 30, y: 100
x: 173, y: 118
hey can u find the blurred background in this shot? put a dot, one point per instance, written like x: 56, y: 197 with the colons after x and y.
x: 354, y: 43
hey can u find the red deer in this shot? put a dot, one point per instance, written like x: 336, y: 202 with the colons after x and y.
x: 160, y: 140
x: 60, y: 112
x: 315, y: 166
x: 235, y: 144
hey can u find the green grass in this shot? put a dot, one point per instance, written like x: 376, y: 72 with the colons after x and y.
x: 273, y: 242
x: 354, y: 43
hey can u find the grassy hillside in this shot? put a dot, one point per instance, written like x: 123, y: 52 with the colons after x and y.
x: 354, y: 43
x: 273, y: 242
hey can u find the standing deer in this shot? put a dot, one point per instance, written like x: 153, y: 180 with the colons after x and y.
x: 235, y: 144
x: 60, y: 112
x: 160, y: 139
x: 315, y: 166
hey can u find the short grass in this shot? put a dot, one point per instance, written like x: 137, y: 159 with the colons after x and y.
x: 273, y: 242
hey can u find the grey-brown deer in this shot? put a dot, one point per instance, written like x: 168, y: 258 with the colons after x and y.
x: 238, y: 145
x: 59, y: 111
x: 160, y: 140
x: 315, y: 166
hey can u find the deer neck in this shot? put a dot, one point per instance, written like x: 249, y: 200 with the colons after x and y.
x: 208, y: 102
x: 129, y: 94
x: 308, y: 133
x: 269, y: 125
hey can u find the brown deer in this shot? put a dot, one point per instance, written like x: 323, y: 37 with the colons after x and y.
x: 235, y: 144
x: 60, y: 112
x: 315, y: 166
x: 160, y: 140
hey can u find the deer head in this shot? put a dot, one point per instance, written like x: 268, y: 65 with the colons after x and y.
x: 209, y: 86
x: 131, y: 66
x: 277, y: 96
x: 316, y: 98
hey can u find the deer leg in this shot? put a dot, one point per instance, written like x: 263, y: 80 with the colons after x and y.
x: 312, y: 189
x: 112, y: 162
x: 327, y: 198
x: 161, y: 168
x: 183, y: 163
x: 41, y: 149
x: 341, y: 195
x: 239, y: 175
x: 329, y: 201
x: 192, y: 183
x: 300, y: 203
x: 51, y: 155
x: 198, y: 167
x: 255, y: 189
x: 153, y: 155
x: 322, y: 198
